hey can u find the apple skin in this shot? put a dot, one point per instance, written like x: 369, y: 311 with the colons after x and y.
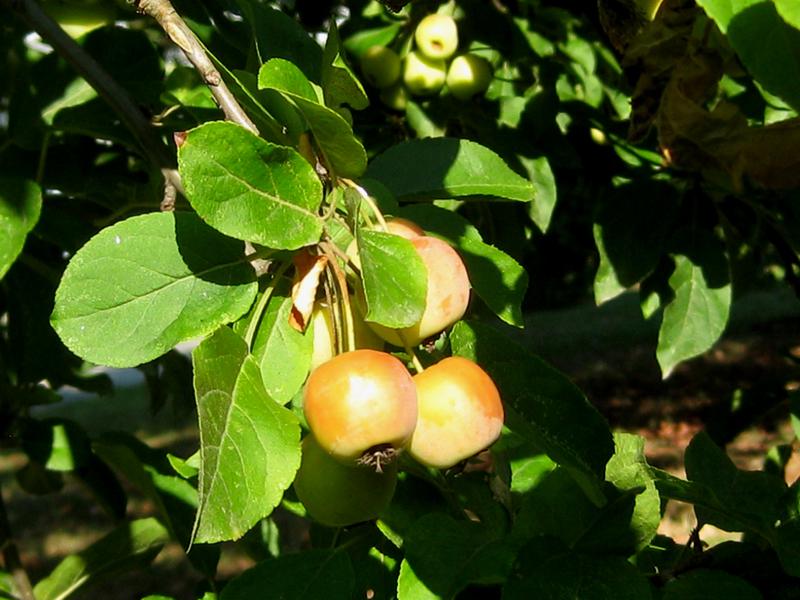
x: 381, y: 66
x: 423, y: 76
x: 447, y: 295
x: 468, y: 75
x: 436, y: 36
x: 324, y: 343
x: 359, y: 403
x: 460, y: 413
x: 336, y: 495
x: 404, y: 228
x: 395, y: 97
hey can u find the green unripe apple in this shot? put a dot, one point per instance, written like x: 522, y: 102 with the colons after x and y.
x: 395, y: 97
x: 337, y: 495
x: 423, y: 76
x: 437, y: 36
x: 468, y: 75
x: 381, y: 66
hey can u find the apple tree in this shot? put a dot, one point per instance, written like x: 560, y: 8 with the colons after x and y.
x: 345, y: 210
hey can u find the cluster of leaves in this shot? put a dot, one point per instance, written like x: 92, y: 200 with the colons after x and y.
x: 693, y: 196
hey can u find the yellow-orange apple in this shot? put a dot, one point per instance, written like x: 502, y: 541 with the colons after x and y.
x: 460, y: 413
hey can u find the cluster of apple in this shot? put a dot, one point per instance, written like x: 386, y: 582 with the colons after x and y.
x: 363, y: 407
x: 425, y: 70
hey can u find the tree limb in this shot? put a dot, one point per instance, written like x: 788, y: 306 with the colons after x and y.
x: 183, y: 37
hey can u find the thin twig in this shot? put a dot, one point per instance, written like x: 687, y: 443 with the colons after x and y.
x: 152, y: 147
x: 183, y: 37
x: 11, y: 558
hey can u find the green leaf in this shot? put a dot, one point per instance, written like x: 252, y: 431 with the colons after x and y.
x: 340, y: 149
x: 630, y: 230
x: 339, y: 83
x: 129, y: 545
x: 546, y: 571
x: 443, y: 555
x: 394, y: 279
x: 544, y: 182
x: 705, y: 584
x: 283, y: 353
x: 277, y: 35
x: 443, y: 168
x: 698, y: 313
x: 250, y: 189
x: 20, y: 205
x: 542, y: 404
x: 498, y: 279
x: 745, y: 500
x: 250, y: 445
x: 284, y: 76
x: 140, y: 287
x: 789, y: 10
x: 628, y: 471
x: 310, y: 574
x: 767, y: 44
x: 787, y: 545
x: 56, y: 444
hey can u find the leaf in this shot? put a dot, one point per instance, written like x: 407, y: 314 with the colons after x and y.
x: 498, y: 279
x: 284, y: 76
x: 542, y: 405
x: 339, y: 83
x: 767, y: 44
x: 394, y: 279
x: 282, y: 352
x: 250, y: 189
x: 628, y: 471
x: 789, y: 10
x: 698, y: 314
x: 340, y: 149
x: 546, y: 571
x: 309, y: 574
x: 705, y: 584
x: 250, y: 445
x: 745, y: 500
x: 544, y: 202
x: 443, y: 555
x: 630, y: 230
x: 56, y: 444
x: 143, y: 285
x: 129, y: 545
x: 443, y: 168
x: 20, y: 205
x: 277, y: 35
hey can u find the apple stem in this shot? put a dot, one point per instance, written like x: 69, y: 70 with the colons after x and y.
x: 368, y: 200
x: 415, y: 362
x: 344, y: 296
x: 262, y: 304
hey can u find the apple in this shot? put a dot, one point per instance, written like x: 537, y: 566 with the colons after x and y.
x: 460, y: 413
x: 446, y: 298
x: 437, y: 36
x: 423, y: 76
x: 337, y: 495
x: 468, y: 75
x: 404, y: 228
x: 361, y: 407
x: 395, y: 97
x: 324, y: 346
x: 381, y: 66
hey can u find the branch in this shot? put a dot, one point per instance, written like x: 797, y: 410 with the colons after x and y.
x: 183, y: 37
x: 150, y: 143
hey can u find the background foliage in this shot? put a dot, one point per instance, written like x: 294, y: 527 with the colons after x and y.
x: 611, y: 154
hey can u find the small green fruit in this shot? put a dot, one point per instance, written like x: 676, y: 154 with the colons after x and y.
x: 395, y: 97
x: 437, y: 36
x: 423, y: 76
x: 468, y: 75
x: 337, y: 495
x: 381, y: 66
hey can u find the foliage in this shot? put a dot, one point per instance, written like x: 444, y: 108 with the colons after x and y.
x: 145, y: 203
